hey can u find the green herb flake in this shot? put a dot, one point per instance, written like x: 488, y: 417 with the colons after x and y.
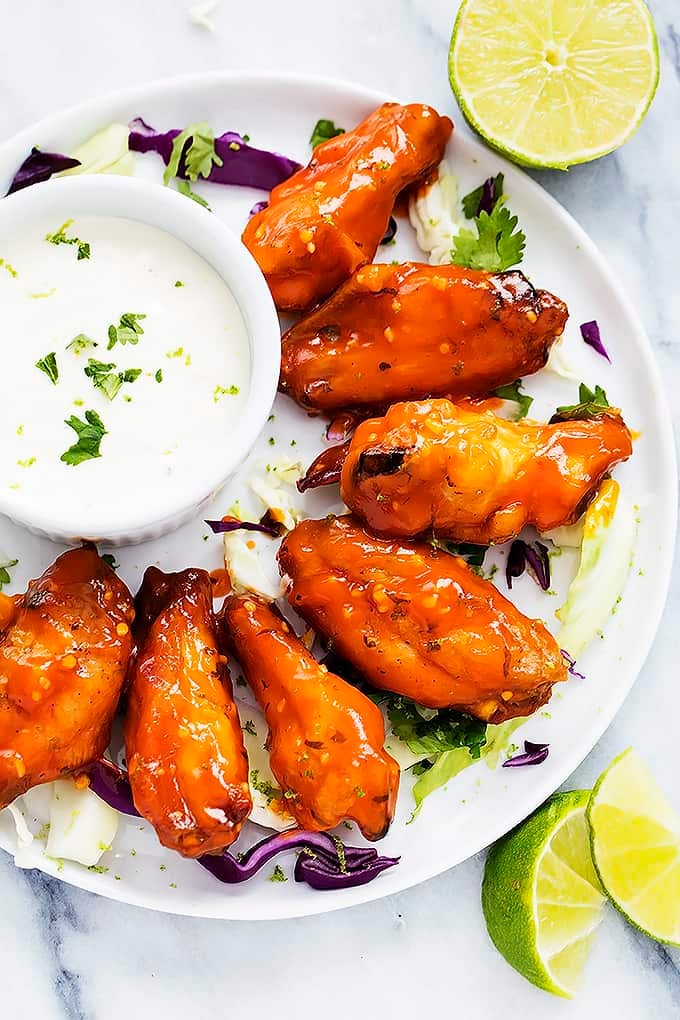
x: 8, y: 268
x: 224, y: 391
x: 98, y: 869
x: 4, y: 572
x: 81, y: 343
x: 177, y: 353
x: 195, y: 148
x: 249, y: 725
x: 185, y: 188
x: 178, y: 283
x: 60, y: 237
x: 590, y: 404
x: 29, y: 462
x: 128, y: 330
x: 495, y: 244
x: 263, y: 786
x: 513, y: 392
x: 323, y: 130
x: 110, y: 561
x: 49, y: 366
x: 277, y: 874
x: 90, y: 434
x: 158, y: 376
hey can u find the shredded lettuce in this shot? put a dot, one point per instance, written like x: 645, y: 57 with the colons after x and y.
x: 82, y: 826
x: 106, y: 152
x: 609, y: 532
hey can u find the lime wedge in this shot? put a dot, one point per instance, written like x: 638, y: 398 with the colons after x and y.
x: 635, y: 841
x: 541, y: 897
x: 550, y: 83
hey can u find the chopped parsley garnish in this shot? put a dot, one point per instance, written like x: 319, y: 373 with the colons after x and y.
x: 90, y: 434
x: 106, y: 379
x: 323, y: 130
x: 60, y: 237
x: 277, y: 874
x: 495, y: 244
x: 249, y: 727
x: 198, y: 156
x: 49, y: 366
x: 590, y: 404
x: 513, y: 391
x: 4, y: 572
x: 159, y: 375
x: 184, y: 188
x: 128, y: 330
x: 81, y: 343
x: 263, y: 786
x: 178, y: 283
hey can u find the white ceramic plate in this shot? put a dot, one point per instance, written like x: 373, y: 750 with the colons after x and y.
x: 480, y: 805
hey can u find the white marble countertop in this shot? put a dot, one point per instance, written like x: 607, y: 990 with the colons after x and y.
x: 68, y: 954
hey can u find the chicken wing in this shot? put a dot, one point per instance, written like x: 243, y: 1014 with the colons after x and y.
x: 405, y: 332
x: 471, y: 476
x: 326, y: 737
x: 417, y: 621
x: 185, y: 755
x: 64, y: 650
x: 330, y: 217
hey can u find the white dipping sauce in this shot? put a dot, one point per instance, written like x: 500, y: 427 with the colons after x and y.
x: 158, y: 434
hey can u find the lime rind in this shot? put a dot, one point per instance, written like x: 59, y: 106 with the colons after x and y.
x: 526, y: 67
x: 642, y: 789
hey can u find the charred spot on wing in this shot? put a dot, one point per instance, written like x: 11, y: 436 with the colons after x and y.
x: 372, y: 463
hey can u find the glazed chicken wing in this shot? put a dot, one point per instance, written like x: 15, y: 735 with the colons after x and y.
x: 411, y: 331
x: 64, y: 650
x: 417, y: 621
x: 326, y: 737
x: 471, y: 476
x: 330, y: 217
x: 185, y: 755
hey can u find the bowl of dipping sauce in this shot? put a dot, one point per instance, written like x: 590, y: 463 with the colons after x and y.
x: 140, y: 353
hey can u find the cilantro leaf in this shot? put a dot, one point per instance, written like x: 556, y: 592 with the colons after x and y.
x: 81, y: 343
x: 471, y: 553
x: 184, y: 188
x: 513, y: 391
x: 590, y: 404
x: 432, y: 731
x: 495, y: 246
x: 196, y: 147
x: 323, y: 130
x: 4, y: 572
x: 49, y: 366
x: 484, y: 197
x: 128, y: 330
x: 60, y: 237
x: 90, y: 434
x: 108, y: 381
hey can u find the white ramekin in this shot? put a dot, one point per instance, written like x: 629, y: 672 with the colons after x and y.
x: 125, y: 197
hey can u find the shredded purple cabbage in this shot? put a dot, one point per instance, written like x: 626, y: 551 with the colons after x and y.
x: 258, y: 207
x: 490, y: 195
x: 534, y: 754
x: 112, y: 784
x: 40, y: 166
x: 590, y: 331
x: 323, y: 863
x: 228, y: 524
x: 571, y: 665
x: 391, y: 231
x: 325, y: 469
x: 242, y: 164
x: 528, y: 556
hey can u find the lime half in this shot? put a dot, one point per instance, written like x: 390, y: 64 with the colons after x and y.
x: 550, y: 83
x: 541, y: 897
x: 635, y: 840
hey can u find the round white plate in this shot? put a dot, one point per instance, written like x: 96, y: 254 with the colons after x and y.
x: 480, y: 805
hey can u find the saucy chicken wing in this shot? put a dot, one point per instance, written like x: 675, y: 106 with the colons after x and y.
x: 325, y: 737
x: 64, y: 650
x: 186, y: 760
x: 419, y: 622
x: 471, y: 476
x: 411, y: 331
x: 330, y: 217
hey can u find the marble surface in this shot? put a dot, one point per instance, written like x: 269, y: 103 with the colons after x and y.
x: 67, y: 954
